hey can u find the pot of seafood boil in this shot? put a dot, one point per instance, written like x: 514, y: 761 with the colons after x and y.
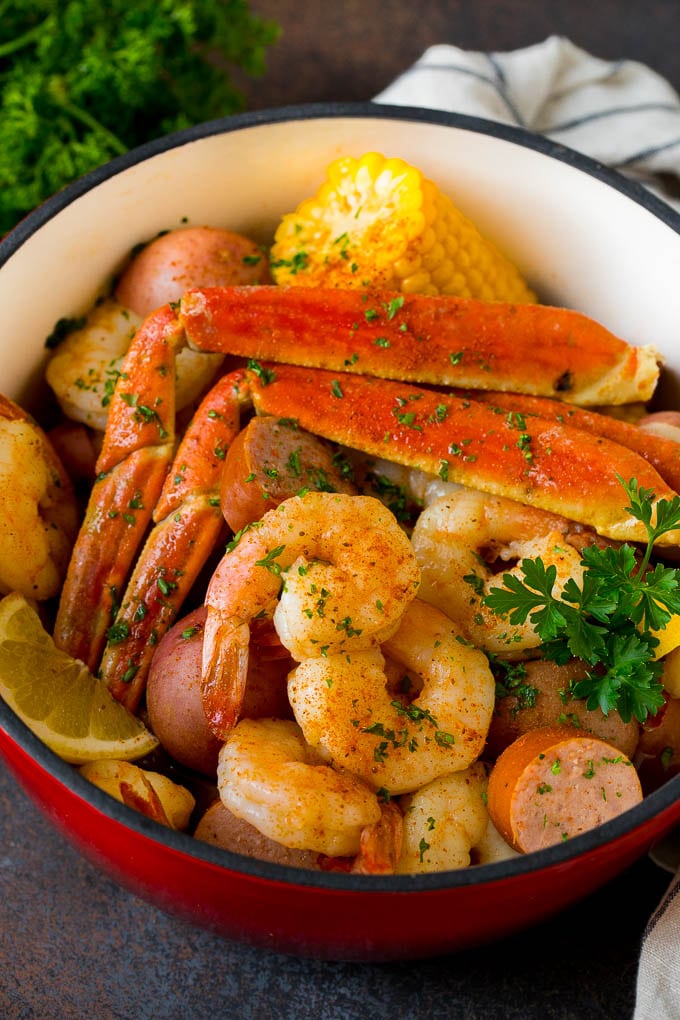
x: 340, y: 608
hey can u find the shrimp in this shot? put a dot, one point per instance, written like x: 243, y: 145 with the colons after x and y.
x: 351, y: 716
x: 335, y: 570
x: 421, y: 488
x: 492, y: 848
x: 268, y: 776
x: 444, y: 821
x: 460, y: 534
x: 84, y: 368
x: 38, y: 513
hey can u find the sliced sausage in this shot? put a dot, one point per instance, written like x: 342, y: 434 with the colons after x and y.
x: 551, y: 785
x: 271, y: 460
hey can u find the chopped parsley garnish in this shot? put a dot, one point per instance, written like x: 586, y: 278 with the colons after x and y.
x: 63, y: 328
x: 117, y: 633
x: 270, y: 560
x: 265, y: 375
x: 298, y: 263
x: 393, y: 307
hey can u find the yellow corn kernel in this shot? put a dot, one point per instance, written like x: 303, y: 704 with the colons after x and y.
x: 378, y: 221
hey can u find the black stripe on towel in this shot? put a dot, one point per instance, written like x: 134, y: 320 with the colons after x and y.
x: 646, y: 153
x: 614, y: 111
x: 494, y: 83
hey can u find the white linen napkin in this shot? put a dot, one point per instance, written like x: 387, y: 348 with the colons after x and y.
x: 620, y: 113
x: 627, y: 117
x: 658, y: 979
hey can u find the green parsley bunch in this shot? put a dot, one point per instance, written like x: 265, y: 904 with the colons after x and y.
x: 85, y: 80
x: 609, y: 620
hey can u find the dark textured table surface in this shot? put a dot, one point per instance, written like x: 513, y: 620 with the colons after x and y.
x: 73, y: 944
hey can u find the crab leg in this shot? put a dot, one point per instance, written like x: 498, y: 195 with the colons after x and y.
x: 189, y: 524
x: 544, y: 464
x: 138, y: 447
x: 662, y: 453
x: 444, y: 341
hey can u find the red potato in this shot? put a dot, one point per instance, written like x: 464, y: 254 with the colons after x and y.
x: 189, y: 257
x: 220, y: 827
x: 173, y: 694
x: 77, y: 449
x: 551, y: 785
x: 269, y: 461
x: 659, y: 747
x: 539, y: 697
x: 662, y: 423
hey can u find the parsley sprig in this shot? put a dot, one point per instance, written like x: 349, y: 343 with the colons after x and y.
x: 607, y: 621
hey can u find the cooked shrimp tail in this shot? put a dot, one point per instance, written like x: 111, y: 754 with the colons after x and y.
x: 380, y: 844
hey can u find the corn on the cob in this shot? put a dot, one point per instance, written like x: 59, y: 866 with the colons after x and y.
x: 379, y: 221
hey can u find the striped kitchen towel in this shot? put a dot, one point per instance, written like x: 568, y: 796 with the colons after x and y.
x: 621, y: 113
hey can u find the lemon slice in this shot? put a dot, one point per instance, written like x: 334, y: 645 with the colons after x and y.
x: 58, y: 698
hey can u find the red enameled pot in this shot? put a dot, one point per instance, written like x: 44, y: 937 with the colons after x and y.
x: 584, y: 236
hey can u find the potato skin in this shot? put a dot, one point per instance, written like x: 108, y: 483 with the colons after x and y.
x: 220, y: 827
x: 189, y: 257
x: 173, y: 696
x: 548, y: 703
x: 659, y: 747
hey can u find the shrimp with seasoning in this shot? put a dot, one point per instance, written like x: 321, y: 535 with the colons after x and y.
x: 269, y: 776
x: 336, y: 571
x: 38, y: 512
x: 83, y: 370
x: 459, y: 536
x: 444, y: 821
x: 354, y: 718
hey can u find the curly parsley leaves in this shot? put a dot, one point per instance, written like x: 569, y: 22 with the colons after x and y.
x: 85, y: 80
x: 608, y: 620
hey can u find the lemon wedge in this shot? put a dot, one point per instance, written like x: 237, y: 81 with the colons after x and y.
x: 669, y: 637
x: 58, y: 698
